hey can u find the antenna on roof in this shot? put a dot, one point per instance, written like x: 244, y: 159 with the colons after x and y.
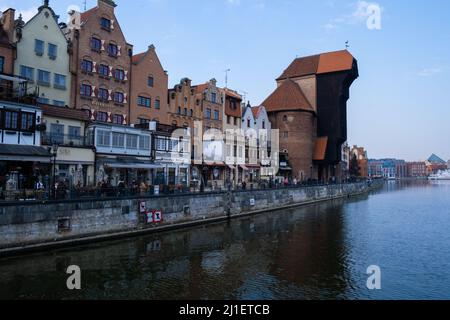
x: 244, y: 95
x: 85, y: 4
x: 347, y: 45
x: 226, y: 77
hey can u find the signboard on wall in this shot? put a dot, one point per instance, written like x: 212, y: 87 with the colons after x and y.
x: 157, y: 216
x: 156, y: 192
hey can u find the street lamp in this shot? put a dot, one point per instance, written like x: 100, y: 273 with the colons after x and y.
x: 54, y: 154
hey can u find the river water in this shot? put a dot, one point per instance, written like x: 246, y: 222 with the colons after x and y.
x: 316, y: 252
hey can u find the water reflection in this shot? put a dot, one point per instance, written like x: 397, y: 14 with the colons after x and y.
x: 316, y: 252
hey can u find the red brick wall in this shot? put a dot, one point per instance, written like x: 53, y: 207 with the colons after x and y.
x: 89, y: 29
x: 141, y: 71
x: 300, y: 143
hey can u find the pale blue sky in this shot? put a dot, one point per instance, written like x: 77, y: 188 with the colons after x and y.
x: 399, y: 106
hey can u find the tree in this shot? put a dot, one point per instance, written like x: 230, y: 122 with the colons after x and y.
x: 355, y: 170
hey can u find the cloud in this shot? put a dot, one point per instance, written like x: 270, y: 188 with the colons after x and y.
x: 428, y: 72
x: 361, y: 12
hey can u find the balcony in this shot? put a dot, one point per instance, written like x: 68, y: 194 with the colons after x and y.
x: 62, y: 140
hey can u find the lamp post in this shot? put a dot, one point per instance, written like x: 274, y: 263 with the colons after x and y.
x: 55, y: 154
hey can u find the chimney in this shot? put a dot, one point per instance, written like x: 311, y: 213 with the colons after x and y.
x: 107, y: 4
x: 7, y: 22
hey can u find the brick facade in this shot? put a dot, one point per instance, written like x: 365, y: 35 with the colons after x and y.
x: 149, y: 86
x: 184, y: 109
x: 101, y: 66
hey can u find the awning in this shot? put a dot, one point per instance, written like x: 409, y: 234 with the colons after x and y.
x: 244, y: 167
x: 13, y: 79
x: 22, y: 153
x: 320, y: 149
x: 285, y: 169
x: 132, y: 165
x: 231, y: 167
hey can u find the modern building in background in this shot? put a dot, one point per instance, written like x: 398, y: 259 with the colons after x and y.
x: 149, y: 85
x: 435, y: 164
x: 43, y: 56
x: 101, y: 64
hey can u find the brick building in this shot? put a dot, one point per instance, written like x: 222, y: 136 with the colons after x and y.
x: 363, y: 161
x: 6, y: 36
x: 321, y: 86
x: 416, y: 169
x: 101, y: 64
x: 149, y: 86
x: 183, y: 109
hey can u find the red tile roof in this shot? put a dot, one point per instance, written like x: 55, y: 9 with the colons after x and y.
x: 62, y: 112
x: 319, y: 64
x: 137, y: 57
x: 320, y: 149
x: 288, y: 96
x: 256, y: 111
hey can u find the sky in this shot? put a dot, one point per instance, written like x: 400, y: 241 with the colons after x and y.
x: 400, y: 105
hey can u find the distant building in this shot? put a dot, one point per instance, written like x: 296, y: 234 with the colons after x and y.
x: 363, y: 161
x: 435, y: 164
x: 401, y: 169
x: 417, y: 169
x: 390, y: 169
x: 376, y: 168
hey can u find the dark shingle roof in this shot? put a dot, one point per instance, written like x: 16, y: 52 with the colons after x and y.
x: 18, y: 150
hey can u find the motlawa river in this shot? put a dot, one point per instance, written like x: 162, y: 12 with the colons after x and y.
x: 316, y: 252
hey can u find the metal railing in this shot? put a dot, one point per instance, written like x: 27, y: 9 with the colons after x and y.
x: 50, y: 139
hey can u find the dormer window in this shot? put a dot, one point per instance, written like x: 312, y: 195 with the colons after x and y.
x: 106, y: 24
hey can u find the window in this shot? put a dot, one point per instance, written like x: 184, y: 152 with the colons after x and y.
x: 132, y: 141
x: 144, y: 142
x: 228, y: 120
x: 213, y: 97
x: 143, y: 121
x: 248, y: 123
x: 27, y: 73
x: 157, y: 104
x: 103, y: 94
x: 105, y: 23
x: 118, y: 140
x: 86, y: 90
x: 2, y: 64
x: 118, y: 119
x: 52, y: 51
x: 263, y: 124
x: 119, y: 74
x: 43, y: 100
x: 39, y: 47
x: 160, y: 144
x: 150, y: 81
x: 103, y: 138
x: 191, y: 113
x: 208, y: 114
x: 11, y: 120
x: 43, y: 78
x: 113, y: 50
x: 119, y: 97
x: 144, y: 102
x: 185, y: 111
x: 179, y: 110
x: 74, y: 132
x: 216, y: 115
x: 235, y: 121
x: 102, y: 116
x: 96, y: 44
x: 57, y: 133
x: 285, y: 134
x: 87, y: 66
x: 60, y: 81
x: 59, y: 103
x: 103, y: 70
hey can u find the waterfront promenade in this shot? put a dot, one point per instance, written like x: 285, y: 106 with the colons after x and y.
x: 30, y: 226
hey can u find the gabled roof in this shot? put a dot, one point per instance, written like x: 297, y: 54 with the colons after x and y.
x: 319, y: 64
x: 288, y: 96
x: 257, y: 111
x: 138, y: 57
x: 85, y: 16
